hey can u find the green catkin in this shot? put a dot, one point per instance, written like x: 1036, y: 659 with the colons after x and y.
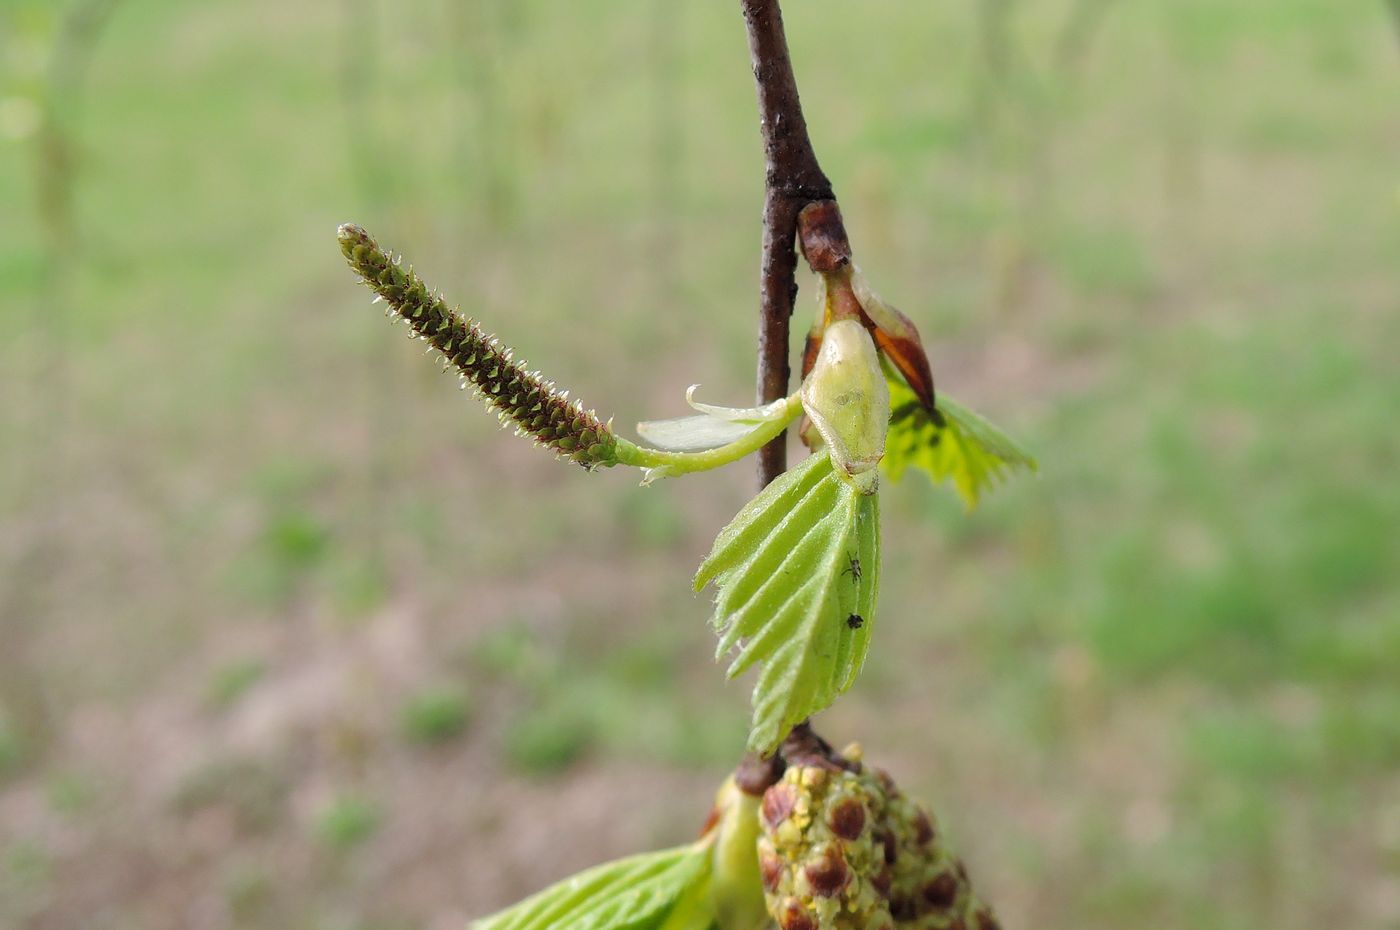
x: 847, y: 850
x: 519, y: 396
x: 818, y: 857
x: 928, y: 884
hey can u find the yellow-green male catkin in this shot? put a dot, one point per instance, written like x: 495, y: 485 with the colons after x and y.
x: 845, y: 849
x: 926, y: 885
x: 818, y: 857
x: 519, y: 396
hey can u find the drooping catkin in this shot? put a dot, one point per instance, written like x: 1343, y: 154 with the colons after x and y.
x: 518, y: 396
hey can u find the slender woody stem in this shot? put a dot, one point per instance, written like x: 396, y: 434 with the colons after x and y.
x: 793, y: 180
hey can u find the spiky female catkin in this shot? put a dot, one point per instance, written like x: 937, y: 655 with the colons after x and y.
x: 518, y: 396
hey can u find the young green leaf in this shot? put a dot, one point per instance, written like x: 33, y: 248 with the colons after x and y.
x: 715, y: 426
x: 666, y: 890
x: 965, y: 449
x: 798, y: 571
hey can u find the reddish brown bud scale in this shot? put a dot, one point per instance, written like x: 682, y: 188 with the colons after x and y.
x: 882, y: 881
x: 888, y: 846
x: 903, y: 909
x: 847, y: 819
x: 793, y: 916
x: 778, y: 803
x: 942, y: 891
x: 908, y: 356
x: 828, y: 873
x: 770, y: 867
x: 755, y: 774
x: 822, y: 235
x: 923, y: 828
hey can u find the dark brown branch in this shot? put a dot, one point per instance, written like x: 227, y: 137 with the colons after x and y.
x: 793, y: 179
x: 791, y: 162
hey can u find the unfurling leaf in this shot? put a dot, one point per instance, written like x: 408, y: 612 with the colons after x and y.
x: 964, y: 449
x: 847, y: 399
x: 714, y: 427
x: 666, y: 890
x: 797, y: 571
x: 693, y: 434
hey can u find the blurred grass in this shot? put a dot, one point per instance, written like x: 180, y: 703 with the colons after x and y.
x: 246, y: 532
x: 436, y: 714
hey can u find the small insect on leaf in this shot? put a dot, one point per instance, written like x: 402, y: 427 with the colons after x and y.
x: 855, y: 621
x: 852, y: 568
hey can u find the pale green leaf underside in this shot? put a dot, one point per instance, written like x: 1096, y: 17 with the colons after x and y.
x: 797, y: 572
x: 968, y: 451
x: 692, y: 434
x: 715, y: 426
x: 666, y: 890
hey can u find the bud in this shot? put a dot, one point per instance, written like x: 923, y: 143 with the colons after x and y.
x: 848, y: 401
x: 517, y: 395
x: 844, y: 293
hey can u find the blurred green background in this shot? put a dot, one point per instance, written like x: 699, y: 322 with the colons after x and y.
x: 294, y: 637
